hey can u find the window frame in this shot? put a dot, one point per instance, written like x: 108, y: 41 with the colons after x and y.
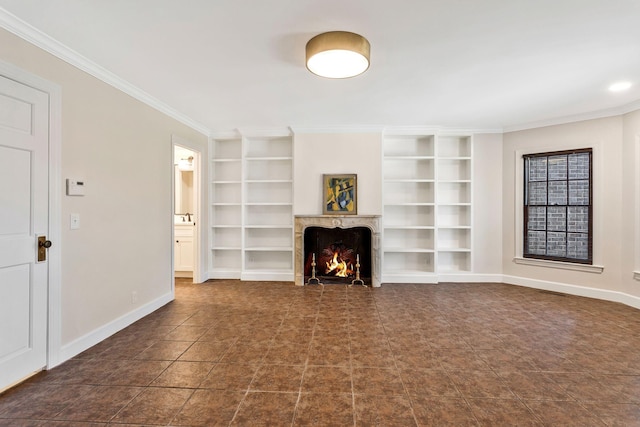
x: 525, y: 205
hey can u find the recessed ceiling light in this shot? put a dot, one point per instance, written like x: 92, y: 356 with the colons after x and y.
x: 619, y: 86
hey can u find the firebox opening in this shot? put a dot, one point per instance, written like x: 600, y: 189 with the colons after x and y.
x: 337, y: 252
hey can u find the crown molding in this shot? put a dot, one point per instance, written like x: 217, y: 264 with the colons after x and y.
x: 599, y: 114
x: 337, y: 129
x: 225, y: 134
x: 265, y: 132
x: 436, y: 130
x: 20, y: 28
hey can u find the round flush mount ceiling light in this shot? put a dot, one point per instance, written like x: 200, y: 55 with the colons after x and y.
x: 620, y: 86
x: 338, y: 54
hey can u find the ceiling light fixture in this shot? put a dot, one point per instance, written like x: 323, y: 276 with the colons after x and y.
x: 338, y: 54
x: 619, y: 86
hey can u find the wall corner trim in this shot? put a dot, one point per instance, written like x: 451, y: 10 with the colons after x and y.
x: 598, y: 269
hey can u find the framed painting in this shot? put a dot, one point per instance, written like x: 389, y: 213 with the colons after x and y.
x: 340, y: 194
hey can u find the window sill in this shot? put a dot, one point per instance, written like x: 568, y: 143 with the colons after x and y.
x: 636, y: 275
x: 562, y: 265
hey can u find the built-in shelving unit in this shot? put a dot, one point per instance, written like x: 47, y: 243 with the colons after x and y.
x: 268, y: 228
x: 427, y: 207
x: 252, y: 207
x: 454, y: 172
x: 409, y: 208
x: 226, y: 206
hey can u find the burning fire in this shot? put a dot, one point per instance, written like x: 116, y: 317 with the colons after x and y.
x: 339, y: 268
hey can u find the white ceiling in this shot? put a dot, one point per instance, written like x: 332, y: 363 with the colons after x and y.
x: 490, y: 64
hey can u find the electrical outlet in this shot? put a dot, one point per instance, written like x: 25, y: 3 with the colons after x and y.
x: 134, y: 297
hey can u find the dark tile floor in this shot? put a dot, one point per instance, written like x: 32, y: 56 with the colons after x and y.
x: 272, y: 354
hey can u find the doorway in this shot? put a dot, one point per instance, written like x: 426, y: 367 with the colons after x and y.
x: 186, y: 206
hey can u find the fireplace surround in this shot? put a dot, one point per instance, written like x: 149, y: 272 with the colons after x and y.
x: 302, y: 222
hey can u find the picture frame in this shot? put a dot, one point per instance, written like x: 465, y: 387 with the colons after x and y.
x: 340, y: 195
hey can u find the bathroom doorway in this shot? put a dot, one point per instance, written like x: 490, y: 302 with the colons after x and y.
x: 186, y: 211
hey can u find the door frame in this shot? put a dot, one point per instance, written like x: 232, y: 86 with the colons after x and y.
x: 54, y: 264
x: 198, y: 274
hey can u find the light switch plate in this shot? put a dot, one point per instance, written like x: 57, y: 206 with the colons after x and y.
x: 74, y: 221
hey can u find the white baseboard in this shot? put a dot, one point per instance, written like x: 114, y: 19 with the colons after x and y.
x: 470, y: 278
x: 94, y: 337
x: 582, y: 291
x: 268, y: 276
x: 223, y: 274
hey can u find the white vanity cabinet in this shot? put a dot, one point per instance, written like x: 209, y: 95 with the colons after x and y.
x: 183, y: 250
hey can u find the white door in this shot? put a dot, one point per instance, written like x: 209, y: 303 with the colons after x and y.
x: 24, y: 213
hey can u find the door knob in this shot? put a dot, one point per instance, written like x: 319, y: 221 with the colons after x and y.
x: 43, y: 245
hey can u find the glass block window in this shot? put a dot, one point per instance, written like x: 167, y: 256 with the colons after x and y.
x: 558, y: 206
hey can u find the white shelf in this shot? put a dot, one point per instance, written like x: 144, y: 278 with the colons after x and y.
x: 449, y: 146
x: 226, y: 160
x: 268, y: 181
x: 227, y: 171
x: 226, y: 148
x: 250, y: 159
x: 267, y: 248
x: 420, y: 146
x: 274, y: 259
x: 409, y: 227
x: 408, y: 261
x: 450, y: 262
x: 410, y: 204
x: 267, y: 204
x: 269, y: 147
x: 408, y: 250
x: 268, y: 170
x: 227, y: 260
x: 421, y: 169
x: 409, y: 180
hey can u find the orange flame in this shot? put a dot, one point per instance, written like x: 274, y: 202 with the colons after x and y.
x: 339, y: 268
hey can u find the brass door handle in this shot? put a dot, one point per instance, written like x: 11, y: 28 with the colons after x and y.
x: 43, y: 245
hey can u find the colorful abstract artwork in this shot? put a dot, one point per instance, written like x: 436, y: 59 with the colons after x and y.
x: 339, y: 194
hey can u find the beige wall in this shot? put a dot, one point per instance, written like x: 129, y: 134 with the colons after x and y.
x: 317, y: 154
x: 122, y: 149
x: 487, y: 204
x: 605, y: 136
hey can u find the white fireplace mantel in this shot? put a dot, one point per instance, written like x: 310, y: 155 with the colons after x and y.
x: 337, y: 221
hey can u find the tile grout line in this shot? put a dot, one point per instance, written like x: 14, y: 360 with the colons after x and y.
x: 306, y: 361
x: 395, y: 362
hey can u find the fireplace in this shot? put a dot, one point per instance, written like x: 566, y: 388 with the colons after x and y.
x: 341, y: 245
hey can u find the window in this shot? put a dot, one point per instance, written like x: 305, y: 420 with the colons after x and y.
x: 558, y: 206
